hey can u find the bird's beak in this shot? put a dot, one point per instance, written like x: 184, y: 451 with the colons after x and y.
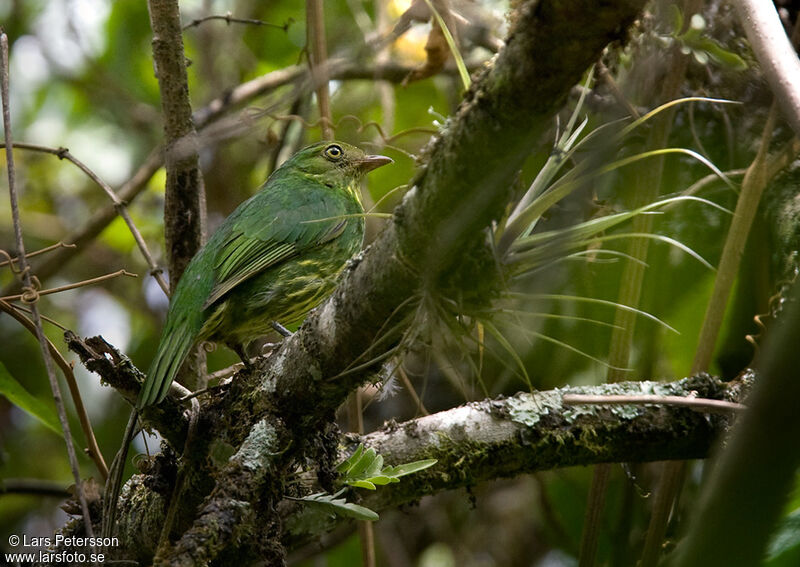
x: 368, y: 163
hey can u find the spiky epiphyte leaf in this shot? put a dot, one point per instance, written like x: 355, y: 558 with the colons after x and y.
x: 530, y: 252
x: 583, y: 156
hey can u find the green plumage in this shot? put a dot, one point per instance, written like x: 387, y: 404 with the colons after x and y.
x: 272, y: 260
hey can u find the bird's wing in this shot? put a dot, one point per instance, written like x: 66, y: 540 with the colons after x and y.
x: 254, y: 245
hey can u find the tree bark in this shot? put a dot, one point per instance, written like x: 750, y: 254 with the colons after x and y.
x: 184, y: 205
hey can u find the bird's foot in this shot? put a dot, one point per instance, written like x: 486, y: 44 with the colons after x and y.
x: 241, y: 351
x: 283, y: 331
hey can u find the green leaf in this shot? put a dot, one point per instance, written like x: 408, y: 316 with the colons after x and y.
x: 722, y: 56
x: 364, y: 469
x: 383, y: 479
x: 361, y: 465
x: 340, y: 506
x: 409, y: 468
x: 345, y: 466
x: 20, y: 397
x: 641, y: 120
x: 375, y: 466
x: 451, y: 44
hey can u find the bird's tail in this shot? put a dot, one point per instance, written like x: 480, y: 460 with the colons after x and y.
x: 176, y: 341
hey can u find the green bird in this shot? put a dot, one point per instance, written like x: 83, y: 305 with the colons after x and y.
x: 271, y: 261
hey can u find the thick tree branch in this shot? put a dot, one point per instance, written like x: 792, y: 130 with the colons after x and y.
x: 532, y: 432
x: 472, y: 443
x: 116, y: 369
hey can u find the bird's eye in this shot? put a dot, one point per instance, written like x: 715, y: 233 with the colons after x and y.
x: 334, y: 152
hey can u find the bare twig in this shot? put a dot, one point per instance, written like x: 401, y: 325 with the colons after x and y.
x: 119, y: 204
x: 12, y: 261
x: 93, y: 450
x: 180, y: 482
x: 229, y: 19
x: 30, y: 295
x: 699, y: 404
x: 366, y: 534
x: 28, y: 284
x: 99, y: 220
x: 411, y: 391
x: 114, y: 483
x: 184, y: 197
x: 46, y: 319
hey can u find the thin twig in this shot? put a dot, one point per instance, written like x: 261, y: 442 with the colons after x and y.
x: 99, y: 220
x: 30, y: 295
x: 226, y: 372
x: 44, y: 317
x: 33, y: 486
x: 180, y: 483
x: 27, y: 283
x: 119, y: 204
x: 704, y: 405
x: 44, y: 250
x: 616, y: 92
x: 229, y: 19
x: 93, y: 450
x: 366, y: 533
x: 114, y: 483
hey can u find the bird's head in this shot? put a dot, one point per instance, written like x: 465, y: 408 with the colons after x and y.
x: 335, y: 162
